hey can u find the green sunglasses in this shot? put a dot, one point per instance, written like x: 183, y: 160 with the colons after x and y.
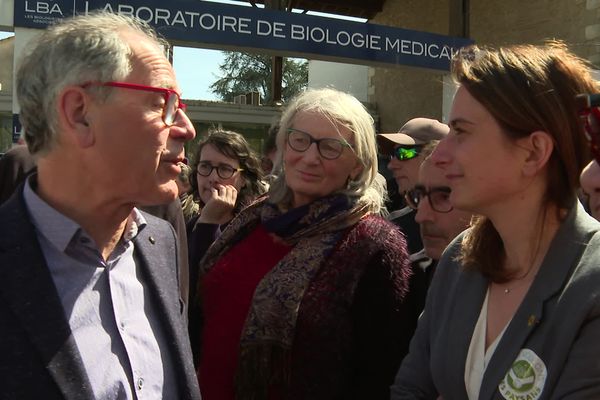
x: 406, y: 153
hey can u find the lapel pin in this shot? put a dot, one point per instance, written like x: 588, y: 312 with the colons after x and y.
x: 151, y: 239
x: 531, y: 321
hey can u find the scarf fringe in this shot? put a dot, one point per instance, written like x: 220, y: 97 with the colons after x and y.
x: 263, y: 369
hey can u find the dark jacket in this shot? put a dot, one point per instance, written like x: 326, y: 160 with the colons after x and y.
x: 40, y: 359
x: 15, y: 165
x: 351, y: 331
x: 550, y: 345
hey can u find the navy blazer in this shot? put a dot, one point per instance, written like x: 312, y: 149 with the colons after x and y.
x: 38, y: 355
x: 551, y: 347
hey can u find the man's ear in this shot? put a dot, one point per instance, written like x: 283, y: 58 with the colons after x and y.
x: 539, y: 146
x: 73, y: 111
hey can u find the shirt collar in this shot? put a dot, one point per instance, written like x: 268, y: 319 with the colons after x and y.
x: 60, y: 229
x: 56, y: 228
x: 135, y: 223
x: 421, y: 259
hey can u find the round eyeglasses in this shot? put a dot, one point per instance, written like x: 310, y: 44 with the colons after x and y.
x: 223, y: 170
x: 329, y: 148
x: 439, y: 198
x: 171, y: 105
x: 403, y: 153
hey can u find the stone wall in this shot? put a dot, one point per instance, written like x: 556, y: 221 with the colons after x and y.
x: 402, y: 93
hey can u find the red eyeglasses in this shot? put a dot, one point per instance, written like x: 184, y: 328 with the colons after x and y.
x: 589, y: 111
x: 172, y: 100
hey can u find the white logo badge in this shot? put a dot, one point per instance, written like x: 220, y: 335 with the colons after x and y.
x: 525, y: 379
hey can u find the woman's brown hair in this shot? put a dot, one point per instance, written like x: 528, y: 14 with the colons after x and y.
x: 527, y: 88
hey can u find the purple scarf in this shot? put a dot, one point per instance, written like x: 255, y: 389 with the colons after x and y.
x: 267, y: 337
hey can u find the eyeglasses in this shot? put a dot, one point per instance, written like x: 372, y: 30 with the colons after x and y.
x: 329, y: 148
x: 589, y: 111
x: 172, y: 100
x: 223, y: 170
x: 439, y: 198
x: 403, y: 153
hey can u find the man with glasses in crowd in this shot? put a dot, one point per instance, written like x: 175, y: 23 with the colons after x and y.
x: 405, y: 151
x: 439, y: 224
x: 91, y: 305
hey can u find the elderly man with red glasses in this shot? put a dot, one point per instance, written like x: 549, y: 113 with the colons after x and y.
x: 91, y: 306
x: 406, y: 150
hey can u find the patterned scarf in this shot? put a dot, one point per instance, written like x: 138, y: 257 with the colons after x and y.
x: 267, y: 336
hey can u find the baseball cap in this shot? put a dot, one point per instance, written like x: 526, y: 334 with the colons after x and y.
x: 417, y: 131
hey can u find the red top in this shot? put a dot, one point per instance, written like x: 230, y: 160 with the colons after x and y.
x: 227, y: 291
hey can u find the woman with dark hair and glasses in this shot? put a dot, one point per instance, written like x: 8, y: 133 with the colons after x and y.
x: 302, y: 295
x: 513, y: 311
x: 225, y: 177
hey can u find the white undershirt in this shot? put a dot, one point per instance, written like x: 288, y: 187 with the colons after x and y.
x: 477, y: 357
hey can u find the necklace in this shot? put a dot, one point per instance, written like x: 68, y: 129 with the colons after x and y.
x: 519, y: 282
x: 523, y: 279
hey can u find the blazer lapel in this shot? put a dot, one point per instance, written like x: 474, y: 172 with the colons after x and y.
x: 156, y: 254
x: 156, y: 260
x: 29, y: 290
x: 557, y: 265
x: 461, y: 324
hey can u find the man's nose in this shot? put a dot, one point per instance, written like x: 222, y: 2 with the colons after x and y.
x: 182, y: 127
x: 424, y: 211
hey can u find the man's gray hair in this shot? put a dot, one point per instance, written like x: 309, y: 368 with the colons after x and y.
x: 78, y: 50
x: 341, y: 109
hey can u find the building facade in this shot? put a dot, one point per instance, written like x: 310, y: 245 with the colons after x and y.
x: 400, y: 94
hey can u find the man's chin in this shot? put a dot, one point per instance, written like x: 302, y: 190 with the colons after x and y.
x: 434, y: 246
x: 163, y: 195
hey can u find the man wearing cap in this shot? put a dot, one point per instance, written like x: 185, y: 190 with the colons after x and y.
x: 406, y: 150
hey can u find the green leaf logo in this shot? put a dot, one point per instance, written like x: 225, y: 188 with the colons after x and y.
x: 525, y: 379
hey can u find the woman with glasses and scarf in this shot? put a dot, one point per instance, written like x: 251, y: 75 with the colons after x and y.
x: 301, y: 297
x: 513, y: 311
